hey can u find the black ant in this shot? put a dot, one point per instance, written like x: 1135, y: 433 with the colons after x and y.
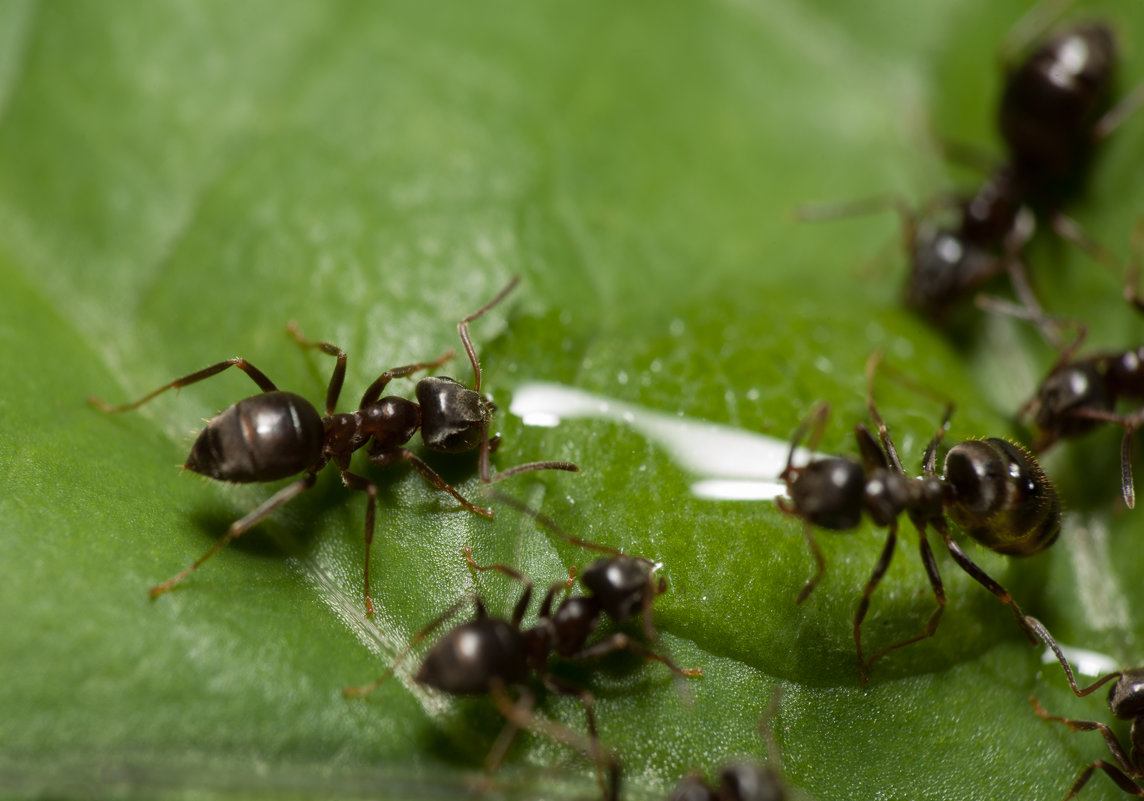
x: 488, y: 655
x: 1050, y: 116
x: 1125, y: 701
x: 278, y: 434
x: 993, y: 489
x: 742, y: 781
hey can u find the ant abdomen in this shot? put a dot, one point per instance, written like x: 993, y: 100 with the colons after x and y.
x: 262, y: 438
x: 1052, y: 101
x: 453, y: 417
x: 1000, y: 496
x: 470, y: 657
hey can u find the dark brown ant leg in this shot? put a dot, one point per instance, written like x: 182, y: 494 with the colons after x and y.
x: 1110, y: 740
x: 463, y: 330
x: 433, y: 625
x: 485, y: 466
x: 356, y: 482
x: 1122, y: 781
x: 1039, y: 629
x: 1130, y: 422
x: 981, y: 577
x: 819, y: 562
x: 256, y: 375
x: 388, y: 457
x: 523, y: 718
x: 880, y: 568
x: 339, y: 375
x: 238, y: 527
x: 373, y: 392
x: 938, y: 593
x: 883, y: 432
x: 622, y: 642
x: 1115, y: 116
x: 522, y: 604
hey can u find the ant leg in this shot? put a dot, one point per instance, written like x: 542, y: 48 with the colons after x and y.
x: 815, y: 421
x: 938, y: 593
x: 373, y: 392
x: 1115, y: 116
x: 339, y: 375
x: 819, y: 561
x: 520, y: 716
x: 1039, y: 629
x: 463, y: 330
x: 488, y: 446
x: 1122, y: 781
x: 880, y: 568
x: 522, y: 604
x: 929, y: 460
x: 883, y: 432
x: 256, y: 375
x: 981, y: 577
x: 356, y: 482
x: 1130, y: 422
x: 433, y: 625
x: 1110, y: 740
x: 241, y: 525
x: 387, y: 457
x: 622, y: 642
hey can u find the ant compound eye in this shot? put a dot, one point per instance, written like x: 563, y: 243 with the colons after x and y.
x: 1001, y: 497
x: 828, y: 493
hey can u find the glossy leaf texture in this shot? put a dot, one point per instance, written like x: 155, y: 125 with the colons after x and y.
x: 178, y: 180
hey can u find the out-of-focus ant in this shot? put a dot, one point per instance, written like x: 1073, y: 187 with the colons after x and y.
x: 278, y: 434
x: 993, y: 489
x: 743, y: 781
x: 488, y: 655
x: 1054, y: 109
x: 1125, y: 701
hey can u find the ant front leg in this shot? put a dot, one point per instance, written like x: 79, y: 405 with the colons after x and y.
x: 384, y: 458
x: 240, y: 526
x: 339, y: 375
x: 356, y: 482
x: 256, y: 375
x: 1124, y: 764
x: 374, y: 390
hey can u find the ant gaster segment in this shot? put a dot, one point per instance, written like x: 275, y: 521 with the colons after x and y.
x: 487, y: 655
x: 1126, y: 702
x: 743, y: 781
x: 993, y: 489
x: 278, y: 434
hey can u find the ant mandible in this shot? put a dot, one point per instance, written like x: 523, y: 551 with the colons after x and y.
x: 1125, y: 701
x: 993, y: 489
x: 278, y: 434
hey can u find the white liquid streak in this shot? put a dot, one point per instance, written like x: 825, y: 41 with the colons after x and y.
x: 728, y: 463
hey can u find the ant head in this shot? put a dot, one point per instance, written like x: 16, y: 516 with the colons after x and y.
x: 468, y: 659
x: 620, y: 584
x: 748, y: 782
x: 829, y: 493
x: 1070, y: 388
x: 453, y: 417
x: 1001, y: 497
x: 1126, y: 697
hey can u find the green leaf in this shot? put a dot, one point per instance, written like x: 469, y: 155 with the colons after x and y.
x: 180, y: 180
